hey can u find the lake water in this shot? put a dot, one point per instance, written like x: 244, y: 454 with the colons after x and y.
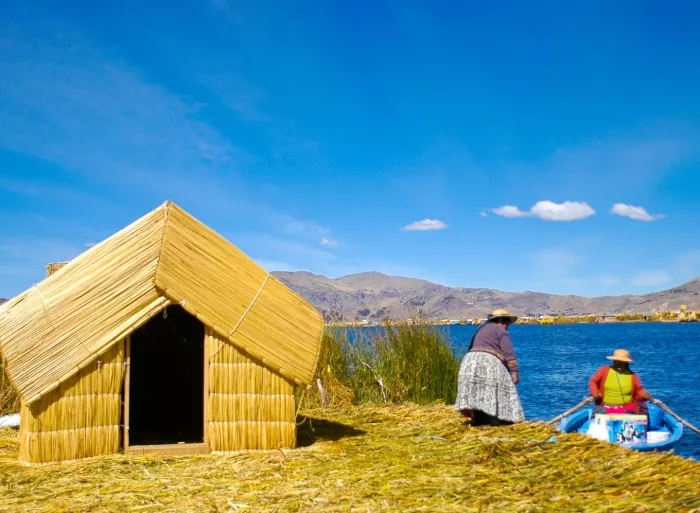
x: 556, y: 363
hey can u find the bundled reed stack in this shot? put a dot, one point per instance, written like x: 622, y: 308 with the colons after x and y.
x: 74, y: 345
x: 53, y: 267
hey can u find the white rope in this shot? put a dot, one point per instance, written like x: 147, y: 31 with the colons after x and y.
x: 262, y: 286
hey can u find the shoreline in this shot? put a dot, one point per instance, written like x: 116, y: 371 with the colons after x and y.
x: 440, y: 324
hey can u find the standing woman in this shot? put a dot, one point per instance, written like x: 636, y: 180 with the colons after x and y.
x: 488, y: 374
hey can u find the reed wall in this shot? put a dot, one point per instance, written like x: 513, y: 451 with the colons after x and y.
x: 250, y: 406
x: 79, y: 419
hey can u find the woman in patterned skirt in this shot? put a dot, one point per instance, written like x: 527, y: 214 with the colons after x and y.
x: 488, y: 374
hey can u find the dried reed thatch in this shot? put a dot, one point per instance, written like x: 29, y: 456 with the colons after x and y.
x: 369, y: 458
x: 55, y: 333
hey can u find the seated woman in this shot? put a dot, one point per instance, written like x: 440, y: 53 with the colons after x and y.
x: 615, y: 388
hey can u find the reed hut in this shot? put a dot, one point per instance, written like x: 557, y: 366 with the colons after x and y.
x: 164, y: 338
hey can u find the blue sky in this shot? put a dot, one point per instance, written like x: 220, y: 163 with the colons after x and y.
x: 470, y: 144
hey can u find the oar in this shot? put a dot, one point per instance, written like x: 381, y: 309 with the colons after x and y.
x: 572, y: 410
x: 687, y: 424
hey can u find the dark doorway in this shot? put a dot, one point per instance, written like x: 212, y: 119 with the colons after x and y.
x: 166, y: 392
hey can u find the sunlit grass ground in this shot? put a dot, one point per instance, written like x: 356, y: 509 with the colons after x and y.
x: 369, y: 458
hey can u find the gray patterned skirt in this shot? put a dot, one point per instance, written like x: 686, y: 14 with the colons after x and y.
x: 484, y: 384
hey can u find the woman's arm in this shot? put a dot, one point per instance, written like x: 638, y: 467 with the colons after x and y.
x: 595, y: 384
x: 508, y: 353
x: 638, y: 392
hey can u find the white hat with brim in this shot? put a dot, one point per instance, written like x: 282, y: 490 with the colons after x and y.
x: 621, y: 355
x: 502, y: 313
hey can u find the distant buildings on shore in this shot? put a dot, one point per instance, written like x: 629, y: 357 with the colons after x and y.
x: 683, y: 314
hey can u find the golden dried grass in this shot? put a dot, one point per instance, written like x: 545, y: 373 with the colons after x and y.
x: 370, y: 458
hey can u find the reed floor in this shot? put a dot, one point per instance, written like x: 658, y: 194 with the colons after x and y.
x: 396, y: 458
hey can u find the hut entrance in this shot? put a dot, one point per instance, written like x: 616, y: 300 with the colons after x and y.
x: 165, y: 397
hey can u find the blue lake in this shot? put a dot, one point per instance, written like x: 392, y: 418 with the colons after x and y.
x: 556, y: 363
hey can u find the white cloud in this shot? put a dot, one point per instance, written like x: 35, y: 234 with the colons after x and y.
x: 304, y: 228
x: 483, y: 214
x: 328, y: 243
x: 549, y: 211
x: 274, y: 265
x: 425, y: 225
x: 554, y: 262
x: 634, y: 161
x: 609, y: 280
x: 636, y: 213
x: 651, y: 278
x: 510, y: 211
x: 567, y: 211
x: 688, y: 263
x: 278, y: 249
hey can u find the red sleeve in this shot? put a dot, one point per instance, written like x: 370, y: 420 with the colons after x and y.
x: 596, y: 383
x: 638, y: 392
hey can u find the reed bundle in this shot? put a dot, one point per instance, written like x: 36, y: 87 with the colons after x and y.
x: 370, y: 458
x: 54, y: 267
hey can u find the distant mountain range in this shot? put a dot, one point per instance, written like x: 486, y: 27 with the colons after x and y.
x: 376, y: 296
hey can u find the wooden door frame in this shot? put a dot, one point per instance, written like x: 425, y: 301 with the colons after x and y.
x: 167, y: 449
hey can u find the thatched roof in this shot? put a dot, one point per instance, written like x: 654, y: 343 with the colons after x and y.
x: 65, y: 322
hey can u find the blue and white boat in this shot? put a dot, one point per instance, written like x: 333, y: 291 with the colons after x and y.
x: 663, y: 433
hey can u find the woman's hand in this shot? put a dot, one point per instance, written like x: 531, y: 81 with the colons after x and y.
x: 516, y: 378
x: 598, y: 398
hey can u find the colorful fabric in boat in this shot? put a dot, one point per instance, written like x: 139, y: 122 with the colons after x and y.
x: 484, y: 384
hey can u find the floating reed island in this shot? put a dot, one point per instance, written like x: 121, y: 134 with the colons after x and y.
x: 369, y: 458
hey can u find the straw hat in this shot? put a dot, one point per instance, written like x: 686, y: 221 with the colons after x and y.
x: 502, y: 313
x: 621, y: 355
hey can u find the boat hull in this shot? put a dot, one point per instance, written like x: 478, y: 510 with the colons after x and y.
x: 578, y: 423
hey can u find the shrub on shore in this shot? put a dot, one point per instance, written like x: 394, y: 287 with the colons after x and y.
x: 397, y: 363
